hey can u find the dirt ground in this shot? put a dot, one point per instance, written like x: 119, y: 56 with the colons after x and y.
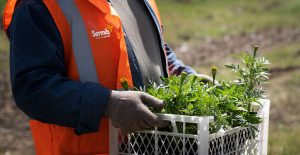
x: 14, y: 130
x: 15, y: 137
x: 206, y: 51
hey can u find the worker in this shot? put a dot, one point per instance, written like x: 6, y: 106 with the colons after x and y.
x: 67, y: 58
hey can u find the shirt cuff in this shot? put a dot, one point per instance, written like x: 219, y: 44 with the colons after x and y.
x: 184, y: 68
x: 93, y: 103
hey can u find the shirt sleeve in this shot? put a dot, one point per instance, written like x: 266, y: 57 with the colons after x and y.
x: 40, y: 86
x: 175, y: 66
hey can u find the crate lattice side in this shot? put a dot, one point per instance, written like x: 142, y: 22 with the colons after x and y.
x: 236, y: 141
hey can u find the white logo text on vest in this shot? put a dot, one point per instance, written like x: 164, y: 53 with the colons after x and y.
x: 101, y: 34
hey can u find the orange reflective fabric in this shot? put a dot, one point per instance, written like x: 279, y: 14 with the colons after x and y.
x: 65, y: 32
x: 109, y: 52
x: 155, y: 9
x: 57, y: 140
x: 8, y: 13
x: 111, y: 61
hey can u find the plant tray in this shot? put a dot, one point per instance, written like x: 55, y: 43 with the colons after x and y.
x: 236, y: 141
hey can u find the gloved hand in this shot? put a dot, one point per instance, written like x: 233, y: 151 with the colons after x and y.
x: 206, y: 78
x: 127, y: 111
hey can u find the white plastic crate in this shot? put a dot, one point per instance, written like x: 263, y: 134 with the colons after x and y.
x: 237, y: 141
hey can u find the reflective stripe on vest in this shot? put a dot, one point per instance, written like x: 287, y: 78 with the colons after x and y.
x: 95, y: 51
x: 80, y: 42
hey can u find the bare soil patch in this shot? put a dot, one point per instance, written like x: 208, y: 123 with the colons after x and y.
x: 207, y: 51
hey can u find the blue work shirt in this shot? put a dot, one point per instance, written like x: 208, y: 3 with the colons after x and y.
x: 40, y: 85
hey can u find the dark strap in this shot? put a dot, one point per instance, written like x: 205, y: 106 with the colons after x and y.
x: 136, y: 73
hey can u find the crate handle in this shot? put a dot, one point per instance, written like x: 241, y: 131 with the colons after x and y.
x: 173, y: 123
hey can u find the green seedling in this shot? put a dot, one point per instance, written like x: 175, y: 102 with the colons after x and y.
x: 229, y: 102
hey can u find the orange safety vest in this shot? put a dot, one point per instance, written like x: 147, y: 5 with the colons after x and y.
x: 95, y: 51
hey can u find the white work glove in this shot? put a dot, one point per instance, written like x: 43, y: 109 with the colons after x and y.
x: 127, y: 111
x: 206, y: 78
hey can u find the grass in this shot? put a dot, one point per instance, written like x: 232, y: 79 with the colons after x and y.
x: 284, y: 55
x: 2, y: 4
x: 4, y: 45
x: 4, y: 48
x: 214, y: 18
x: 284, y: 135
x: 3, y: 42
x: 283, y: 143
x: 283, y: 90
